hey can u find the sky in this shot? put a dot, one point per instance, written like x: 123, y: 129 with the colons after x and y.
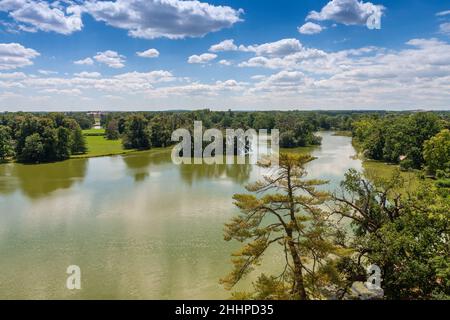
x: 131, y: 55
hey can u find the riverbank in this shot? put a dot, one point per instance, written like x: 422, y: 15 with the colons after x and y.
x: 383, y: 170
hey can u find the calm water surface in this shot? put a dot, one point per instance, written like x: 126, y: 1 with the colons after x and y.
x: 138, y: 226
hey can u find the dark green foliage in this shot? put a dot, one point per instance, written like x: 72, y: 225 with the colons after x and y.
x: 406, y: 235
x: 437, y: 154
x: 33, y: 150
x: 63, y: 143
x: 84, y: 120
x: 112, y: 130
x: 137, y: 133
x: 6, y: 143
x: 397, y: 138
x: 78, y: 142
x: 44, y: 138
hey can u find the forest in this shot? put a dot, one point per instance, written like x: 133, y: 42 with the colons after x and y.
x: 413, y: 140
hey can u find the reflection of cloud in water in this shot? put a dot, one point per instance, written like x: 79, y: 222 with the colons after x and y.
x: 334, y: 157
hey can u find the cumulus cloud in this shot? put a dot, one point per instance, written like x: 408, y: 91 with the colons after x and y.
x: 225, y: 62
x: 87, y: 61
x: 174, y: 19
x: 83, y: 82
x: 12, y: 75
x: 273, y: 49
x: 148, y: 19
x: 14, y: 55
x: 201, y: 59
x: 150, y: 53
x: 347, y: 12
x: 310, y: 28
x: 282, y: 54
x: 86, y: 74
x: 203, y: 90
x: 47, y: 72
x: 226, y: 45
x: 414, y: 76
x: 31, y: 16
x: 111, y: 58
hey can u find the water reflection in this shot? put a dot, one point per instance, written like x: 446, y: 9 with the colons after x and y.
x: 239, y: 173
x: 139, y: 164
x: 37, y: 181
x: 138, y: 226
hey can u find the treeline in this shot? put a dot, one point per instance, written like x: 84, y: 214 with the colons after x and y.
x: 413, y: 140
x: 417, y: 140
x: 37, y: 138
x: 145, y: 130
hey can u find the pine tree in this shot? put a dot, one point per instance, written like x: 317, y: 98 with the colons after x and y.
x: 293, y: 218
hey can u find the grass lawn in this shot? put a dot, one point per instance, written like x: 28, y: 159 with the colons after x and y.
x: 94, y: 132
x: 385, y: 171
x: 98, y: 146
x: 298, y: 150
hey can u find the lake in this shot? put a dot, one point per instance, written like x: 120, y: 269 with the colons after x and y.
x: 138, y: 226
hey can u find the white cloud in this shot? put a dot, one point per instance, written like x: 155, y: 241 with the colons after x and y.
x: 225, y: 62
x: 273, y: 49
x: 47, y: 72
x: 281, y: 81
x: 33, y: 15
x: 150, y: 77
x: 347, y: 12
x: 283, y: 54
x: 111, y: 58
x: 71, y: 92
x: 83, y: 82
x: 310, y: 28
x: 173, y: 19
x: 150, y: 53
x: 203, y: 58
x: 87, y: 61
x: 443, y: 13
x: 86, y: 74
x: 415, y: 76
x: 226, y: 45
x: 14, y: 55
x: 12, y: 76
x: 445, y: 28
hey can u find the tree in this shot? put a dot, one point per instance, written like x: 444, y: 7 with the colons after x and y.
x: 78, y: 142
x: 293, y: 219
x: 63, y: 145
x: 112, y: 130
x: 287, y: 139
x: 160, y: 132
x: 137, y: 133
x: 437, y: 152
x: 33, y: 150
x: 6, y: 143
x: 405, y: 234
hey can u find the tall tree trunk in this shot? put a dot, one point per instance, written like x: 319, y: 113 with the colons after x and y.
x: 299, y: 285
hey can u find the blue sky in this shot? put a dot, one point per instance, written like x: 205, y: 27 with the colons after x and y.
x: 247, y: 54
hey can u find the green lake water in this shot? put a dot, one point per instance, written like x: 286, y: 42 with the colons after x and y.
x: 138, y: 226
